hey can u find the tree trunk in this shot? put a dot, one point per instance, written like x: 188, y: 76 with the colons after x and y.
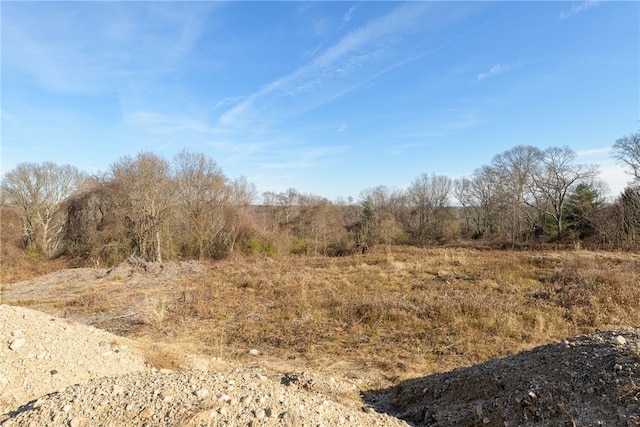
x: 158, y: 247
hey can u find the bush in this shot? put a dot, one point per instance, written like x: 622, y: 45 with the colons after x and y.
x: 259, y: 245
x: 300, y: 246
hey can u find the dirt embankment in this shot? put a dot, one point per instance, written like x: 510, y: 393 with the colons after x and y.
x: 583, y: 381
x: 40, y: 354
x: 58, y: 373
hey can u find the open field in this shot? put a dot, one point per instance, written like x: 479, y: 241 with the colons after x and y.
x: 376, y: 318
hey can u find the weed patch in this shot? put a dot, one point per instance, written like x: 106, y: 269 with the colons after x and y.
x: 390, y: 315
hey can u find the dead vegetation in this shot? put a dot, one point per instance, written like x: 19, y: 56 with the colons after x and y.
x: 378, y: 317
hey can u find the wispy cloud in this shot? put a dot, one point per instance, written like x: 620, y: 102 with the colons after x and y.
x: 496, y: 70
x: 349, y: 14
x: 578, y: 8
x: 610, y: 172
x: 161, y: 123
x: 76, y: 50
x: 594, y: 152
x: 342, y: 128
x: 338, y: 70
x: 302, y: 158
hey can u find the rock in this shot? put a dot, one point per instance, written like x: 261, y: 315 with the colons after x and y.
x: 619, y: 340
x: 254, y: 352
x: 17, y: 343
x: 145, y: 413
x: 289, y: 419
x: 479, y: 410
x: 202, y: 393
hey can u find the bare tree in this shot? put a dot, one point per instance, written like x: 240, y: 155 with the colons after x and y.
x: 514, y: 170
x: 243, y: 192
x: 202, y: 198
x: 428, y: 198
x: 148, y: 188
x: 478, y: 196
x: 554, y: 180
x: 378, y: 223
x: 240, y: 223
x: 37, y: 191
x: 320, y: 223
x: 282, y: 209
x: 627, y: 151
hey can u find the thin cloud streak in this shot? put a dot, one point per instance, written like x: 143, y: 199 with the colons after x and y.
x: 295, y: 92
x: 302, y: 158
x: 497, y: 70
x: 349, y: 14
x: 594, y: 152
x: 610, y: 172
x: 578, y: 8
x: 160, y: 123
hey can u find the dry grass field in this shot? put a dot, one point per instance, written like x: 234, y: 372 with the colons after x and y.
x: 378, y: 318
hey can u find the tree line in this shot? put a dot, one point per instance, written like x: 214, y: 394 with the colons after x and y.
x: 186, y: 208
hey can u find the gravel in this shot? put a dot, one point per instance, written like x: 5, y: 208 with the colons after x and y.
x: 238, y: 397
x: 583, y: 381
x: 40, y: 354
x: 54, y: 372
x: 64, y: 374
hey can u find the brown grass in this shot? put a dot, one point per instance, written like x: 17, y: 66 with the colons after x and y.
x: 378, y: 317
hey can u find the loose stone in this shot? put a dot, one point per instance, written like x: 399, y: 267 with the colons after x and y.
x: 17, y: 343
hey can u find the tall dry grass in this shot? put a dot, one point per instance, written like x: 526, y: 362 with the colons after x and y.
x: 385, y: 317
x: 409, y: 313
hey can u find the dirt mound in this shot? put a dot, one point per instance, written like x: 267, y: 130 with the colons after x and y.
x: 66, y: 293
x: 588, y: 380
x: 237, y: 397
x: 41, y: 353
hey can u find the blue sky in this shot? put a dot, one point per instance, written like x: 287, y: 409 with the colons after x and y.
x: 330, y: 98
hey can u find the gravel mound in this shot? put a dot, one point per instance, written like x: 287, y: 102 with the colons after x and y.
x: 67, y: 374
x: 585, y: 381
x: 57, y: 373
x: 238, y: 397
x: 40, y: 354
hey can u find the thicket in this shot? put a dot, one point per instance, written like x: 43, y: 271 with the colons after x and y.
x: 186, y: 208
